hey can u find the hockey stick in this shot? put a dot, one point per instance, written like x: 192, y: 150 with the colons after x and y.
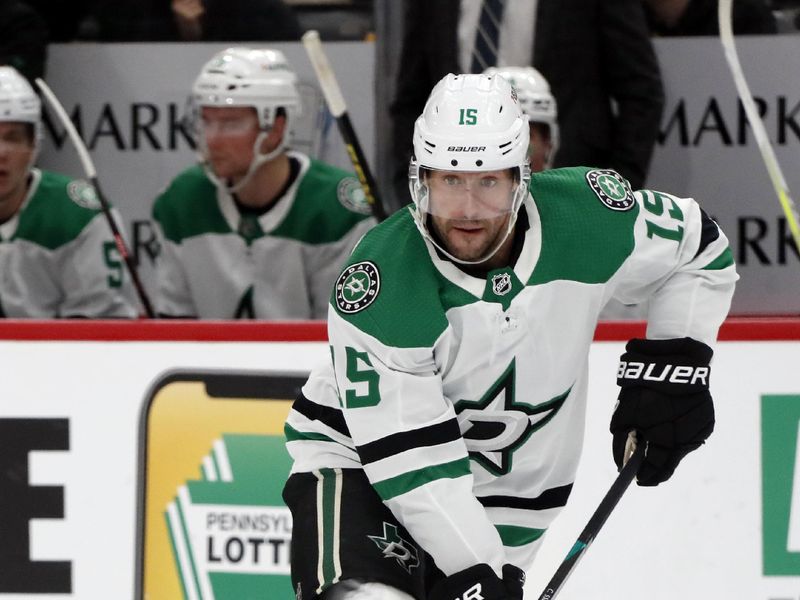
x: 338, y: 108
x: 594, y: 525
x: 767, y: 153
x: 91, y: 174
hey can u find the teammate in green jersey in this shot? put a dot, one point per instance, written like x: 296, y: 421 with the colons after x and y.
x: 256, y: 230
x: 57, y: 255
x: 434, y: 449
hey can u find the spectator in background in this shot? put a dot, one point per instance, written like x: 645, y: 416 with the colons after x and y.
x: 23, y: 38
x: 65, y: 19
x: 256, y: 230
x: 195, y: 20
x: 597, y: 56
x: 699, y: 17
x: 57, y: 257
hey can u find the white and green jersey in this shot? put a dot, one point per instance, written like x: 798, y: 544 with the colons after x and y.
x: 463, y: 399
x: 58, y: 257
x: 215, y: 263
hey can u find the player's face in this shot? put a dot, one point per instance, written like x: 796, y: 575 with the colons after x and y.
x: 16, y: 153
x: 540, y: 146
x: 229, y: 134
x: 470, y: 210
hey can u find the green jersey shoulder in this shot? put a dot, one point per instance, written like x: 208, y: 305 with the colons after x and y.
x: 57, y: 212
x: 587, y: 224
x: 328, y: 203
x: 391, y: 289
x: 189, y: 207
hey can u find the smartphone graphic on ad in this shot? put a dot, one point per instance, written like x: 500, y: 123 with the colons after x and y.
x: 212, y: 464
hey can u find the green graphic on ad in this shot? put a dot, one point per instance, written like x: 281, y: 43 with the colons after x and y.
x: 230, y: 531
x: 780, y: 484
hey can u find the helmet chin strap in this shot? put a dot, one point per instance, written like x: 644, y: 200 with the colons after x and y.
x: 259, y: 159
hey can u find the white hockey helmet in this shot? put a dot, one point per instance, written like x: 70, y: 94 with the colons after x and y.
x: 252, y: 77
x: 256, y: 77
x: 535, y: 98
x: 18, y: 101
x: 470, y: 123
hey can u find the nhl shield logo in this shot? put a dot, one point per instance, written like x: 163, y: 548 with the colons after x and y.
x: 501, y: 284
x: 357, y: 287
x: 612, y: 189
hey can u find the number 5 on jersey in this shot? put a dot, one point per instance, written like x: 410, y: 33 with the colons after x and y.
x: 360, y: 371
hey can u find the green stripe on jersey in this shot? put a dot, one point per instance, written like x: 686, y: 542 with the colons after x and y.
x: 583, y: 240
x: 723, y: 261
x: 51, y: 218
x: 514, y: 535
x: 410, y: 309
x: 401, y: 484
x: 293, y: 435
x: 328, y: 526
x: 318, y: 215
x: 189, y: 207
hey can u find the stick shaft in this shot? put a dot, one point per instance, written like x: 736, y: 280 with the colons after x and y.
x: 338, y: 108
x: 105, y: 206
x: 756, y: 124
x: 601, y: 514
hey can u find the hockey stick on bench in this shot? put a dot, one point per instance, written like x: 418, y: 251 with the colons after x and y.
x: 756, y: 124
x: 91, y: 174
x: 338, y: 108
x: 607, y: 504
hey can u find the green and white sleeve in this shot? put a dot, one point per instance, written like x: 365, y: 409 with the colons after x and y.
x: 410, y: 445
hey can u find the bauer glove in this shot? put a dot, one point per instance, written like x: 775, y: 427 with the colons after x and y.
x: 480, y: 581
x: 665, y: 398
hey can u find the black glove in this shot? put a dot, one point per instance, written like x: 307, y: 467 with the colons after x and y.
x: 665, y: 398
x: 480, y: 581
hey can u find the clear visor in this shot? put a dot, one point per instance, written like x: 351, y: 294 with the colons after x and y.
x: 204, y: 122
x: 207, y: 127
x: 466, y: 195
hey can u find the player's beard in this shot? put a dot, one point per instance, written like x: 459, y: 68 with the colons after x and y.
x: 472, y: 239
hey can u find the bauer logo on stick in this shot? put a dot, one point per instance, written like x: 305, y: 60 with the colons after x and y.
x: 612, y: 189
x: 357, y: 287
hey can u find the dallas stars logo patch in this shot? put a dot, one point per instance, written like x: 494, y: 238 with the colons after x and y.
x: 82, y: 193
x: 496, y: 426
x: 612, y: 189
x: 357, y: 287
x: 394, y: 546
x: 352, y: 196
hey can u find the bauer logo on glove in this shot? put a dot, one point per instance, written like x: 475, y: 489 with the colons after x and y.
x: 663, y: 373
x: 665, y: 399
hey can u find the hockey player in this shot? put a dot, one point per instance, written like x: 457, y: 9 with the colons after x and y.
x: 256, y: 230
x: 435, y: 448
x: 57, y: 255
x: 539, y: 105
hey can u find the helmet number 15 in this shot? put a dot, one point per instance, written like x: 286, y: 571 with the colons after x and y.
x: 467, y: 116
